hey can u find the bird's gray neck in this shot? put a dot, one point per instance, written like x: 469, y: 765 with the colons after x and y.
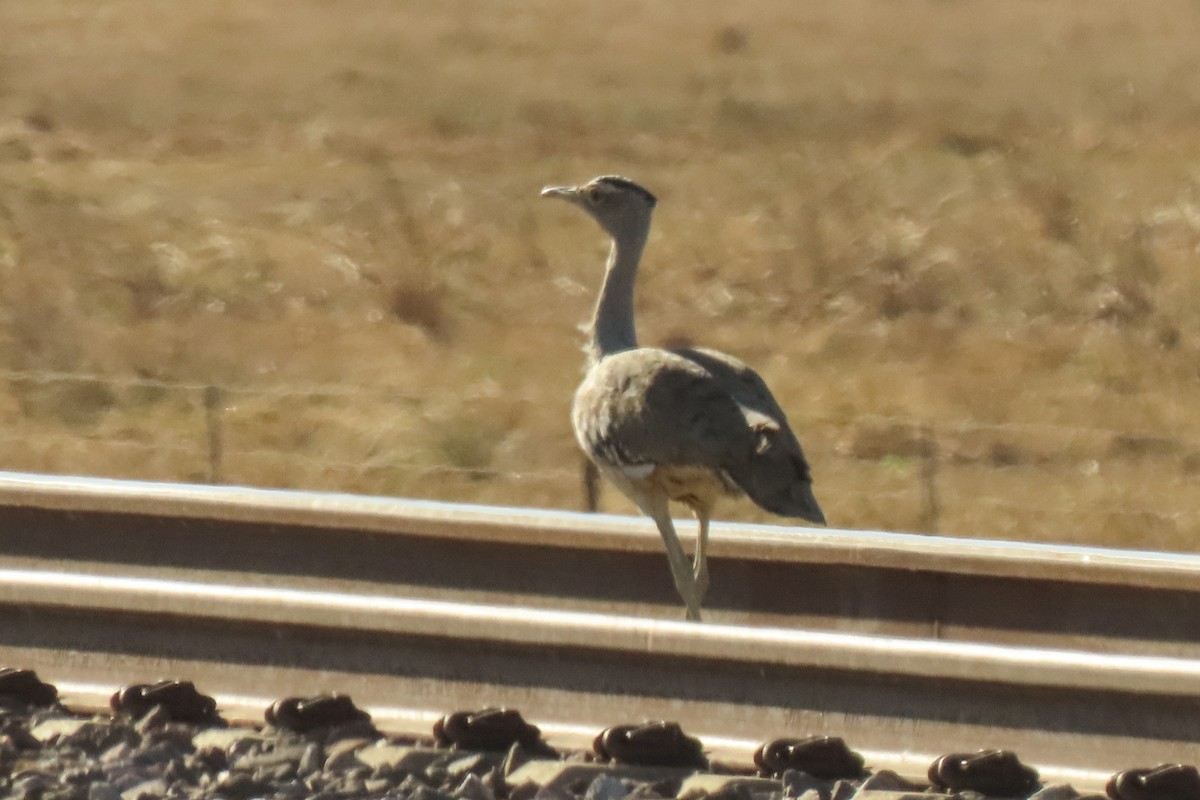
x: 612, y: 326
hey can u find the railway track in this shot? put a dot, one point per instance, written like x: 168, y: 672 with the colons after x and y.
x: 1083, y: 660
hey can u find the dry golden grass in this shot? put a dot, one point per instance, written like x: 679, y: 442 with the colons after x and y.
x: 977, y: 219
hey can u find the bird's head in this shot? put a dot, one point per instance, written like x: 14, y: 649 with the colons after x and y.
x: 618, y: 204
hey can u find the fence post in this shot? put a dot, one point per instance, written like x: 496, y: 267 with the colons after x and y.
x: 216, y: 445
x: 931, y: 509
x: 591, y: 486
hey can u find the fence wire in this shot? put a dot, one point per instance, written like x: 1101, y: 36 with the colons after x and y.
x: 392, y: 392
x: 921, y: 456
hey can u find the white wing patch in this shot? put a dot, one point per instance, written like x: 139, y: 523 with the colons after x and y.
x: 637, y: 472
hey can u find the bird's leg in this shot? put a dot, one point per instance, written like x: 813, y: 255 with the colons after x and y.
x: 681, y: 569
x: 700, y: 559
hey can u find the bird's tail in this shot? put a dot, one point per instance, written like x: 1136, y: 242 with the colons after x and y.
x: 796, y: 499
x: 778, y: 478
x: 804, y: 503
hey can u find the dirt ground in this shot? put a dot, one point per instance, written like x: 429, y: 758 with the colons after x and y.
x: 300, y: 244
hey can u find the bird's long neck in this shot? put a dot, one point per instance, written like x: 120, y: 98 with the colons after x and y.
x: 612, y: 326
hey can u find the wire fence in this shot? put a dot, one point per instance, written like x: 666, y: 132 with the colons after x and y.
x: 492, y: 392
x: 920, y: 471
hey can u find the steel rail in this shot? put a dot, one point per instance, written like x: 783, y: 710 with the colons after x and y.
x: 1077, y: 713
x: 528, y: 526
x: 881, y: 583
x: 907, y: 646
x: 920, y: 658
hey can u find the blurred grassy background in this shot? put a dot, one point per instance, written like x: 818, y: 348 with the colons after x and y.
x: 959, y: 239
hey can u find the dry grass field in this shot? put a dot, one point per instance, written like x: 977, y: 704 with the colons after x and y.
x: 961, y: 241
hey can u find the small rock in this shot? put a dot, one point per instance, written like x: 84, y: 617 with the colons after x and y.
x: 473, y: 788
x: 879, y: 794
x: 49, y: 729
x: 606, y: 787
x: 177, y: 735
x: 516, y: 758
x: 798, y: 784
x: 387, y: 772
x: 408, y: 785
x: 237, y: 786
x: 283, y: 753
x: 96, y: 736
x: 552, y: 793
x: 83, y: 775
x: 564, y: 776
x: 103, y: 791
x: 178, y: 772
x: 275, y: 774
x: 159, y: 753
x: 655, y: 791
x: 477, y: 763
x: 31, y: 784
x: 405, y: 758
x: 292, y: 788
x: 732, y: 791
x: 208, y: 760
x: 842, y: 790
x: 249, y: 747
x: 733, y: 787
x: 156, y: 717
x: 423, y: 792
x: 494, y: 781
x: 524, y: 791
x: 311, y: 760
x: 342, y: 755
x: 349, y: 785
x: 16, y: 737
x: 147, y: 790
x: 224, y: 738
x: 1056, y: 791
x: 68, y: 793
x: 123, y: 778
x: 887, y: 781
x: 116, y: 754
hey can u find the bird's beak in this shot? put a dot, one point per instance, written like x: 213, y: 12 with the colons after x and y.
x: 568, y: 193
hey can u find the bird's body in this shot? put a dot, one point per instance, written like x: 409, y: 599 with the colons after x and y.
x: 696, y: 424
x: 627, y: 419
x: 689, y: 425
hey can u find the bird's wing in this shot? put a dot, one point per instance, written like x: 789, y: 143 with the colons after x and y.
x: 776, y: 476
x: 695, y: 408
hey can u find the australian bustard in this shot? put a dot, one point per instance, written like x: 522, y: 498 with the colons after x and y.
x: 688, y: 425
